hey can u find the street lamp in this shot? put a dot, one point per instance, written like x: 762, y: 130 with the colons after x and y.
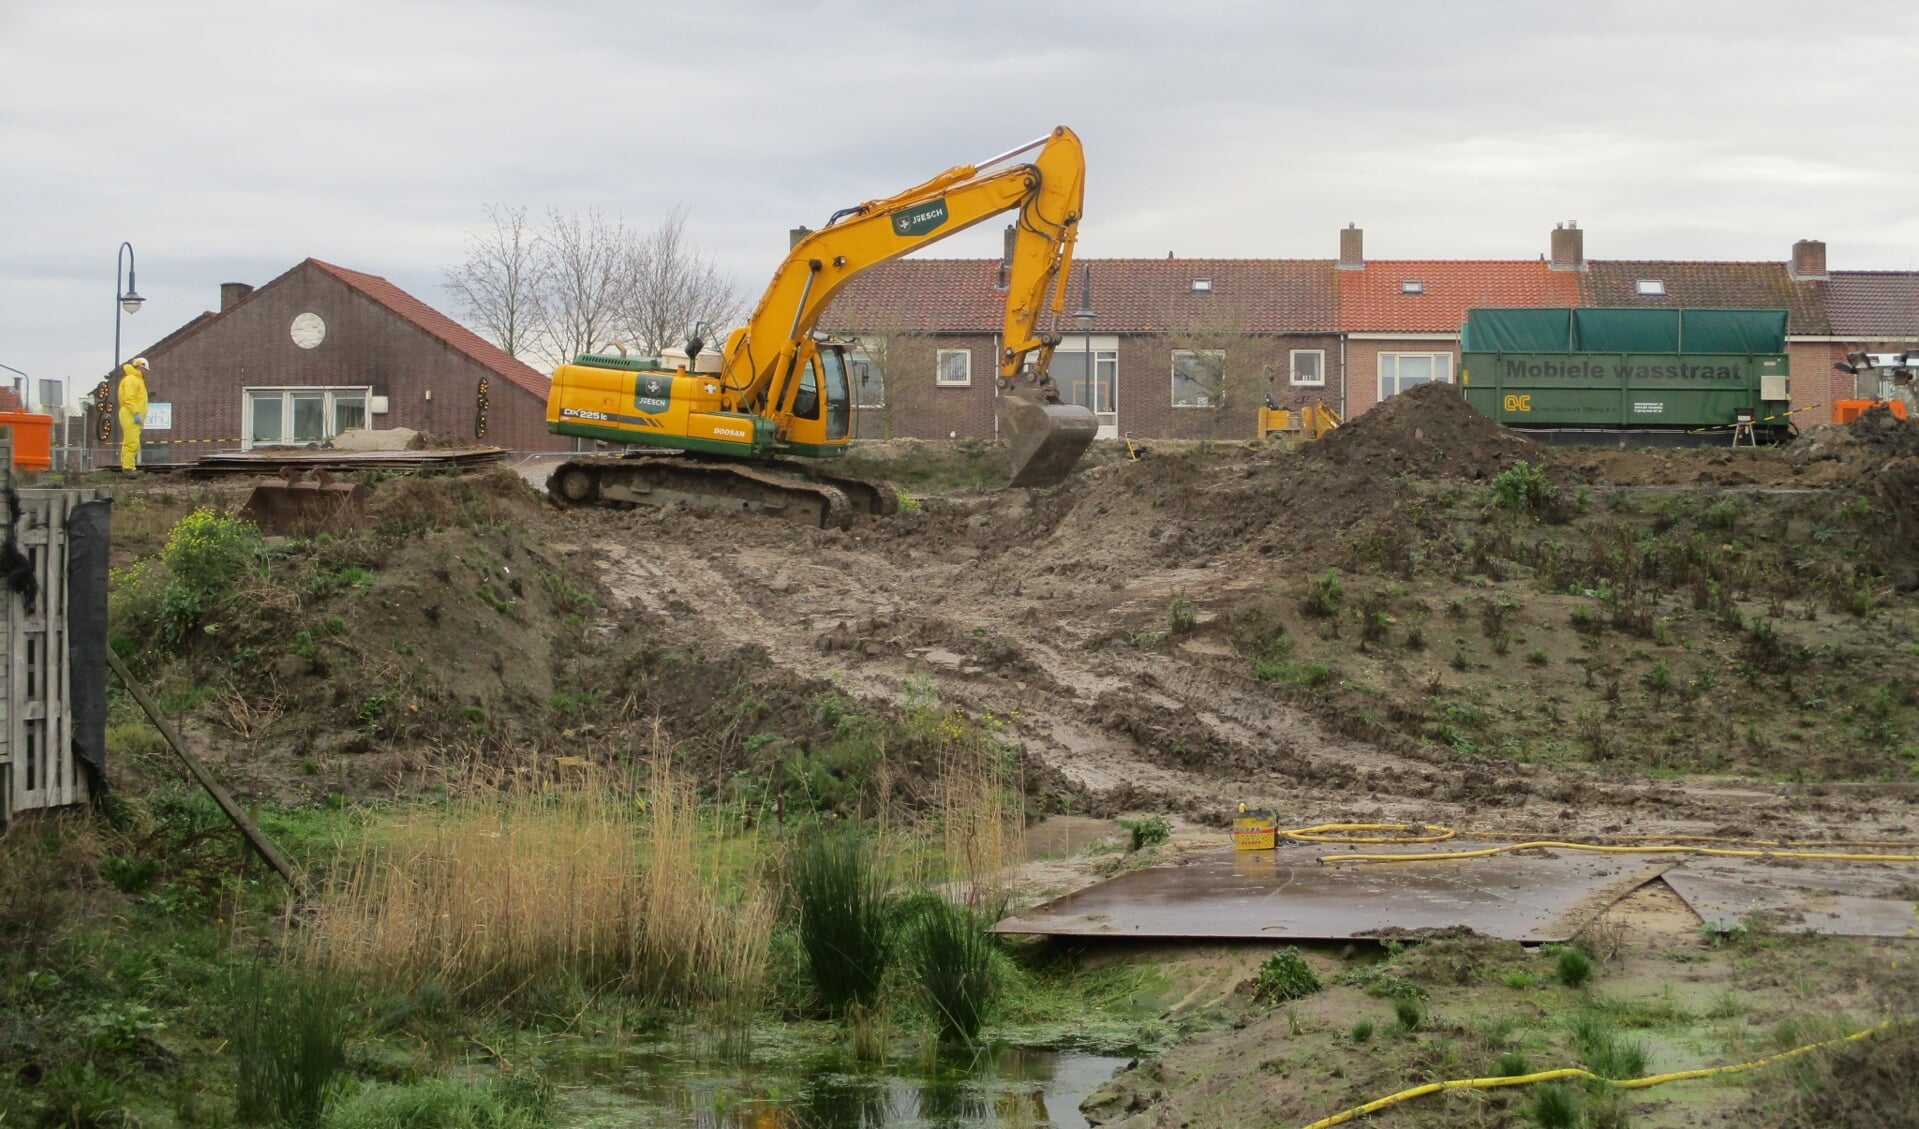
x: 1083, y: 318
x: 128, y: 299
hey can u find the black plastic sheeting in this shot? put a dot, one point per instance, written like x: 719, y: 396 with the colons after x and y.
x: 89, y: 531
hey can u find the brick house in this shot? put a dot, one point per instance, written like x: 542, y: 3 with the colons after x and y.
x: 1797, y: 285
x: 1400, y: 319
x: 321, y: 349
x: 1867, y: 312
x: 1177, y: 347
x: 1366, y: 329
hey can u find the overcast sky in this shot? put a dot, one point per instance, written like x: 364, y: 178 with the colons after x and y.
x: 228, y: 141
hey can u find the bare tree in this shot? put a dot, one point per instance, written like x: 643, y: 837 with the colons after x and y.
x: 675, y: 288
x: 1217, y: 365
x: 891, y: 392
x: 587, y: 282
x: 497, y: 289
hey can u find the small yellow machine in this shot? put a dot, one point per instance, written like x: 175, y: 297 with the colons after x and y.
x: 717, y: 428
x: 1309, y: 422
x: 1255, y: 830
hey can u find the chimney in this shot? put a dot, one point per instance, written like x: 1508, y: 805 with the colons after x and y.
x: 1808, y: 260
x: 1352, y: 248
x: 1007, y: 241
x: 795, y: 234
x: 1569, y: 247
x: 232, y: 292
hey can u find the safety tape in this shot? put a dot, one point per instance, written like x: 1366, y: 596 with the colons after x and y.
x: 1761, y: 419
x: 164, y: 442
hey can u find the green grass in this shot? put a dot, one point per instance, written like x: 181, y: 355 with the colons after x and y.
x: 1574, y: 968
x: 843, y: 918
x: 288, y: 1041
x: 1555, y: 1106
x: 953, y: 962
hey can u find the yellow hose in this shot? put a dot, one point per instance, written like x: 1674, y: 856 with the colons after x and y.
x: 1554, y: 844
x: 1375, y: 1106
x: 1344, y: 833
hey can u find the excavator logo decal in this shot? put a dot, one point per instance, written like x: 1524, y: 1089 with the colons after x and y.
x: 919, y: 219
x: 653, y: 393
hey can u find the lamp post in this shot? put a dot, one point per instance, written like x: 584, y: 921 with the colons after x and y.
x: 1083, y: 318
x: 128, y: 299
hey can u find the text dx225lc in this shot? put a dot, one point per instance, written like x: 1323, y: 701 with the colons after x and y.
x: 754, y: 426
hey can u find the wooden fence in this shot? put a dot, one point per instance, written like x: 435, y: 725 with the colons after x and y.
x: 38, y: 765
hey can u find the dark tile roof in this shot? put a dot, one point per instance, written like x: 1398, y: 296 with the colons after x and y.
x: 1373, y: 299
x: 1129, y: 296
x: 1752, y: 286
x: 454, y: 335
x: 1873, y: 303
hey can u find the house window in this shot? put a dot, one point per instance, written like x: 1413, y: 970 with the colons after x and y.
x: 1412, y: 286
x: 1069, y: 372
x: 298, y: 417
x: 1309, y: 366
x: 1400, y: 371
x: 1650, y: 287
x: 955, y: 368
x: 1202, y: 286
x: 1198, y: 375
x: 869, y: 383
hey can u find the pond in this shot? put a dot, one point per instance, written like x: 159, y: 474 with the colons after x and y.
x: 647, y: 1086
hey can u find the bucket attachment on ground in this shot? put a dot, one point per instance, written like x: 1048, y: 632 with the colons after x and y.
x: 304, y: 502
x: 1046, y: 437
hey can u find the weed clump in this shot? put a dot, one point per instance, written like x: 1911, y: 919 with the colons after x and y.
x: 1573, y: 968
x: 843, y: 924
x: 1556, y: 1106
x: 954, y: 965
x: 1147, y: 831
x: 1285, y: 976
x: 289, y: 1045
x: 1522, y: 486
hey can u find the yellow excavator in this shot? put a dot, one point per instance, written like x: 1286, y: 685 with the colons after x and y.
x: 731, y: 428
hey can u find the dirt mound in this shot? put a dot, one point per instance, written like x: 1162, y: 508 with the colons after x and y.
x: 1876, y: 434
x: 1429, y: 431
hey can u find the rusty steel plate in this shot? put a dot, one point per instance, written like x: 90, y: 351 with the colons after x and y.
x: 1865, y: 900
x: 1531, y: 896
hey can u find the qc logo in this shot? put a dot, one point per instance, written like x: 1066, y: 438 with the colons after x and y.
x: 1521, y: 403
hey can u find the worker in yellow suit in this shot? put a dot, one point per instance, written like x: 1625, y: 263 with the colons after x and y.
x: 133, y: 411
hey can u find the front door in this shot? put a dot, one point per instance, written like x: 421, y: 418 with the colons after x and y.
x: 1098, y: 392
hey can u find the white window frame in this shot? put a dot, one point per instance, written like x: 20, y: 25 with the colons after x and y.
x: 1206, y: 398
x: 939, y: 368
x: 287, y: 392
x: 1442, y: 371
x: 1293, y: 362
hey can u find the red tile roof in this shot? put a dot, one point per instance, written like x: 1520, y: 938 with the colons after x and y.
x: 1722, y: 285
x: 1129, y: 296
x: 1873, y: 304
x: 1373, y: 299
x: 454, y: 335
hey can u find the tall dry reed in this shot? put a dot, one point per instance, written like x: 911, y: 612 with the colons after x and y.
x: 601, y: 883
x: 982, y: 818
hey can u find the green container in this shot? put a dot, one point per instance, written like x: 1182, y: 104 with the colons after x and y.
x: 1625, y: 370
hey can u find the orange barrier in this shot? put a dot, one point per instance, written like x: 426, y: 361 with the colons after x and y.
x: 32, y: 439
x: 1845, y: 411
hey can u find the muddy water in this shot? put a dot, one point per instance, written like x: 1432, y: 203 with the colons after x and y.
x: 647, y: 1087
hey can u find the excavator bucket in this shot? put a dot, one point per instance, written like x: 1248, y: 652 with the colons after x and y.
x: 300, y: 504
x: 1047, y: 437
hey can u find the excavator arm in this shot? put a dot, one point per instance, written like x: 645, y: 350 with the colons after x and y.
x: 762, y: 360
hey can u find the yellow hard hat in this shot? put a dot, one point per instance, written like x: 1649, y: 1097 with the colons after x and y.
x: 139, y: 363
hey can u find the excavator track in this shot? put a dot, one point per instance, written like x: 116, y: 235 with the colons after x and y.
x: 795, y: 492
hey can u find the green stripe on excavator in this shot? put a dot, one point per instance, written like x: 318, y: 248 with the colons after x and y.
x: 674, y: 442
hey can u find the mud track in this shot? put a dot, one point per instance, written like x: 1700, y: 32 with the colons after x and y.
x: 999, y: 604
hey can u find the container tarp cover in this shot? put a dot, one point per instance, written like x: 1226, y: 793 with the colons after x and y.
x: 1606, y: 330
